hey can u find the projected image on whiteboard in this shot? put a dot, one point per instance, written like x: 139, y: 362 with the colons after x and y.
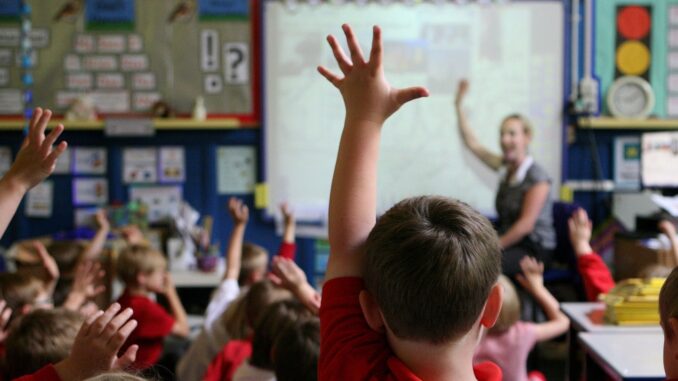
x: 511, y: 54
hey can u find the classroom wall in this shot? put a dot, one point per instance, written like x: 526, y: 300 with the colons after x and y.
x: 200, y: 187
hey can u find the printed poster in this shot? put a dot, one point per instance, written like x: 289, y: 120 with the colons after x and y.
x: 89, y: 160
x: 236, y: 167
x: 140, y: 165
x: 90, y: 191
x: 172, y: 165
x: 39, y: 200
x: 627, y: 162
x: 161, y: 201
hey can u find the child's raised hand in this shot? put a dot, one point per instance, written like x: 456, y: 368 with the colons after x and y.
x: 667, y: 228
x: 86, y: 278
x: 239, y: 211
x: 462, y: 89
x: 287, y: 274
x: 37, y: 158
x: 102, y: 220
x: 96, y: 345
x: 580, y: 231
x: 48, y: 263
x: 287, y: 213
x: 532, y: 278
x: 368, y: 97
x: 132, y: 235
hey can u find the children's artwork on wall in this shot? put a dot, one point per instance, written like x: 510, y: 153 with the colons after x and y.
x: 236, y: 170
x: 84, y: 217
x: 172, y: 165
x: 89, y: 160
x: 63, y: 164
x: 161, y: 201
x: 139, y: 165
x: 90, y: 191
x: 220, y: 9
x: 40, y: 199
x: 5, y: 160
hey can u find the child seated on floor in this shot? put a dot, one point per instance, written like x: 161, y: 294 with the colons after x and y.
x: 510, y: 341
x: 144, y: 272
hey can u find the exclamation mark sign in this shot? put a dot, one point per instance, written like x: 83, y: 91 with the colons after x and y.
x: 210, y: 50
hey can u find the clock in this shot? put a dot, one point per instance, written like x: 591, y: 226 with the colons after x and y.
x: 630, y: 97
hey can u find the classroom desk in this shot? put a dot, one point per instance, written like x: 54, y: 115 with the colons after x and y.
x: 581, y: 315
x: 629, y: 356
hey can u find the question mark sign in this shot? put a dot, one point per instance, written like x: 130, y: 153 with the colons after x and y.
x: 233, y: 51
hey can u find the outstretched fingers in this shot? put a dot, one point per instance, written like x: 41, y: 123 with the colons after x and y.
x: 334, y: 79
x: 353, y: 45
x: 409, y: 94
x: 377, y: 49
x: 343, y: 62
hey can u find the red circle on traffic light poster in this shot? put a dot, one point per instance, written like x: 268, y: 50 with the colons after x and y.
x: 634, y: 22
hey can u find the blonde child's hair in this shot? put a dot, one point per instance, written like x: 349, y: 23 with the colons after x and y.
x: 254, y: 258
x: 510, y: 308
x: 668, y: 306
x: 19, y: 289
x: 139, y: 259
x: 241, y: 316
x: 527, y: 125
x: 117, y: 376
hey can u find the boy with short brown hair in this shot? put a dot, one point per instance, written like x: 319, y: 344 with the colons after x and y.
x: 406, y: 298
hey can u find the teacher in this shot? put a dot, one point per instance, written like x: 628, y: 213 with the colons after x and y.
x: 523, y: 202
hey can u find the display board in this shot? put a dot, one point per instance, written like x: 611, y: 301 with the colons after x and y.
x: 511, y: 53
x: 125, y: 55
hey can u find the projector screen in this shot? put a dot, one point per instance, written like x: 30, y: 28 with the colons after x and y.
x: 512, y: 54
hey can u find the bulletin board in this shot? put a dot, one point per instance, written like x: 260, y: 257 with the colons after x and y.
x: 125, y: 55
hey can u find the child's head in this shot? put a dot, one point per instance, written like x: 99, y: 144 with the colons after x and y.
x: 117, y: 376
x: 274, y: 320
x: 427, y: 249
x: 242, y: 315
x: 141, y: 266
x: 296, y: 351
x: 668, y: 318
x: 42, y: 337
x: 254, y: 264
x: 23, y: 292
x: 66, y: 254
x: 510, y: 307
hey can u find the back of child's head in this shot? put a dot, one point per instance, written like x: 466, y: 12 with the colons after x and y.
x: 253, y: 264
x: 39, y: 338
x: 138, y: 259
x: 117, y: 376
x: 242, y: 314
x: 18, y: 290
x: 296, y: 351
x: 275, y: 319
x: 66, y: 254
x: 668, y: 302
x: 431, y: 263
x: 510, y: 307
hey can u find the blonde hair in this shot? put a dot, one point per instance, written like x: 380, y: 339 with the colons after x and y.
x: 668, y: 301
x: 254, y: 258
x: 19, y: 289
x: 527, y: 125
x: 137, y: 259
x: 510, y: 308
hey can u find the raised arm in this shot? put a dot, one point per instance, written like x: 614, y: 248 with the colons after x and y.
x: 594, y: 272
x: 489, y: 158
x: 533, y: 202
x: 369, y: 100
x: 532, y: 279
x: 96, y: 245
x: 34, y: 162
x: 288, y: 247
x: 180, y: 327
x: 240, y: 215
x: 291, y: 277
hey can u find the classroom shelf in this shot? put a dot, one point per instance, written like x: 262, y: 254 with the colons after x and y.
x: 160, y: 124
x: 607, y: 123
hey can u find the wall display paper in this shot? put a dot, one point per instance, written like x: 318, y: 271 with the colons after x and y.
x: 627, y: 162
x: 162, y: 201
x: 236, y: 170
x: 90, y: 191
x: 172, y: 164
x: 89, y: 160
x: 140, y: 165
x: 63, y: 164
x: 39, y: 200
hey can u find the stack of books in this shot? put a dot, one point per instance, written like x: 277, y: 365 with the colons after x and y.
x: 634, y: 302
